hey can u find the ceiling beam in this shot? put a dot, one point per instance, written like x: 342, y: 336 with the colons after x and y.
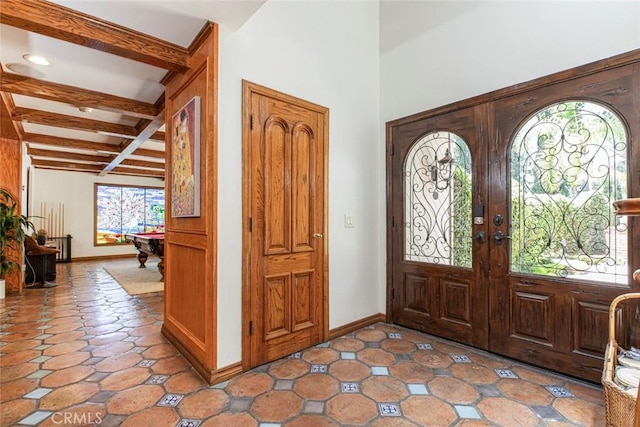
x: 86, y: 167
x: 72, y: 122
x: 66, y: 24
x: 65, y: 155
x: 9, y: 129
x: 56, y: 141
x: 78, y: 97
x: 150, y: 129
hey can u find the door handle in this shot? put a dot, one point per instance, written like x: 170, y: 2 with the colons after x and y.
x: 499, y: 236
x: 317, y: 235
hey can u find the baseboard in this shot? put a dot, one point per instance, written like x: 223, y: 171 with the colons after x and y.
x: 102, y: 257
x: 358, y: 324
x: 211, y: 376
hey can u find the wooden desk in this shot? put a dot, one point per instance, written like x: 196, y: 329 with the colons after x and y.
x: 148, y: 243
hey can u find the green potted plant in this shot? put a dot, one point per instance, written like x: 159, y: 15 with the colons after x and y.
x: 13, y: 230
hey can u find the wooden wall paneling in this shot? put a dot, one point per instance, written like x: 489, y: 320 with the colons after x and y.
x: 11, y: 179
x: 190, y: 242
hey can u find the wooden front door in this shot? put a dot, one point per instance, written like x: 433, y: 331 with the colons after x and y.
x: 520, y: 253
x: 285, y: 295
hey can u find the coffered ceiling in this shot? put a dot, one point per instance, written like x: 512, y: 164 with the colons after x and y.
x: 98, y: 107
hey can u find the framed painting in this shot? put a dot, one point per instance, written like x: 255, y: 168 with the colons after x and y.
x: 185, y: 160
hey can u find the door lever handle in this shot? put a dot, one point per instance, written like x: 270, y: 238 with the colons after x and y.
x: 499, y: 236
x: 317, y: 235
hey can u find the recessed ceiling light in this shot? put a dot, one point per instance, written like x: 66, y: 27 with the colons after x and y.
x: 36, y: 59
x: 85, y: 109
x: 25, y: 70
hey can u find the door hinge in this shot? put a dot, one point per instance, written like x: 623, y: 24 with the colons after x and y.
x: 250, y: 224
x: 251, y: 122
x: 250, y: 327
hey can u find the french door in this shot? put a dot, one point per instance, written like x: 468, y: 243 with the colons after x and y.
x: 501, y: 230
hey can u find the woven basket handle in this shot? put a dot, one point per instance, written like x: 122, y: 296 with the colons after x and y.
x: 612, y: 312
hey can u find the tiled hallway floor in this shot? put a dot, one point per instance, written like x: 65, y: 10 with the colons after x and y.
x: 87, y: 353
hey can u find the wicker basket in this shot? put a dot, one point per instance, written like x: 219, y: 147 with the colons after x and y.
x: 619, y: 405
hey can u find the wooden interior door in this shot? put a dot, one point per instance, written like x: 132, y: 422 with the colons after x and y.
x: 438, y: 255
x: 285, y: 233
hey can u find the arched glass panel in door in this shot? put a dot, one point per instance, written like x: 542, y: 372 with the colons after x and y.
x: 437, y: 201
x: 568, y: 165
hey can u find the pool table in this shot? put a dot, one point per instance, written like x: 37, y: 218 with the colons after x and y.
x: 147, y: 243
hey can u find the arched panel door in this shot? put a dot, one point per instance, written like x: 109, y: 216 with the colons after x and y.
x: 437, y: 275
x: 559, y: 255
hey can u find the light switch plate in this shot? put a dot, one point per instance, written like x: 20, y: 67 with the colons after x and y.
x: 349, y: 221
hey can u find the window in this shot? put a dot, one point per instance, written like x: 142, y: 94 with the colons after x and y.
x: 122, y: 209
x: 568, y: 165
x: 437, y: 175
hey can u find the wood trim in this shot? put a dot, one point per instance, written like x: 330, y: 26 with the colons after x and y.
x: 86, y: 167
x: 211, y: 376
x: 207, y: 29
x: 103, y: 257
x: 358, y: 324
x: 562, y: 76
x: 28, y: 86
x: 66, y: 24
x: 9, y: 128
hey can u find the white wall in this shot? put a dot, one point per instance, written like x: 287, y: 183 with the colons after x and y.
x: 76, y: 191
x: 489, y: 45
x: 325, y: 52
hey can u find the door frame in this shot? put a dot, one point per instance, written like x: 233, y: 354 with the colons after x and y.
x: 249, y: 88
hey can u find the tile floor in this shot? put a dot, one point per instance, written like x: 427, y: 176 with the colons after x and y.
x: 87, y: 353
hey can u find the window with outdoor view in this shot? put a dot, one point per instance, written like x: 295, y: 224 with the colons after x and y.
x: 568, y: 165
x: 124, y: 209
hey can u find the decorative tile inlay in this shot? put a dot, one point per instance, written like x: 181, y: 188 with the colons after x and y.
x: 220, y: 385
x: 347, y: 355
x: 35, y: 418
x: 460, y: 358
x: 424, y: 346
x: 38, y: 393
x: 318, y: 369
x: 40, y: 373
x: 40, y: 359
x: 379, y: 370
x: 137, y: 350
x: 130, y: 339
x: 559, y: 391
x: 295, y: 355
x: 188, y: 423
x: 323, y: 345
x: 372, y: 344
x: 389, y: 410
x: 284, y: 384
x: 505, y: 373
x: 467, y: 412
x: 313, y: 407
x: 269, y: 425
x: 395, y: 335
x: 146, y: 363
x: 170, y: 400
x: 418, y: 389
x: 157, y: 379
x: 240, y: 404
x: 349, y: 387
x: 43, y: 336
x: 442, y: 372
x: 547, y: 412
x: 403, y: 357
x: 40, y: 347
x: 489, y: 390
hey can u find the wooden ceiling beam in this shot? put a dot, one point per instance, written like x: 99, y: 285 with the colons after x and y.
x: 78, y: 97
x: 149, y: 153
x: 9, y: 129
x: 151, y: 128
x: 86, y: 167
x: 71, y: 122
x: 57, y: 141
x: 66, y: 155
x: 66, y: 24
